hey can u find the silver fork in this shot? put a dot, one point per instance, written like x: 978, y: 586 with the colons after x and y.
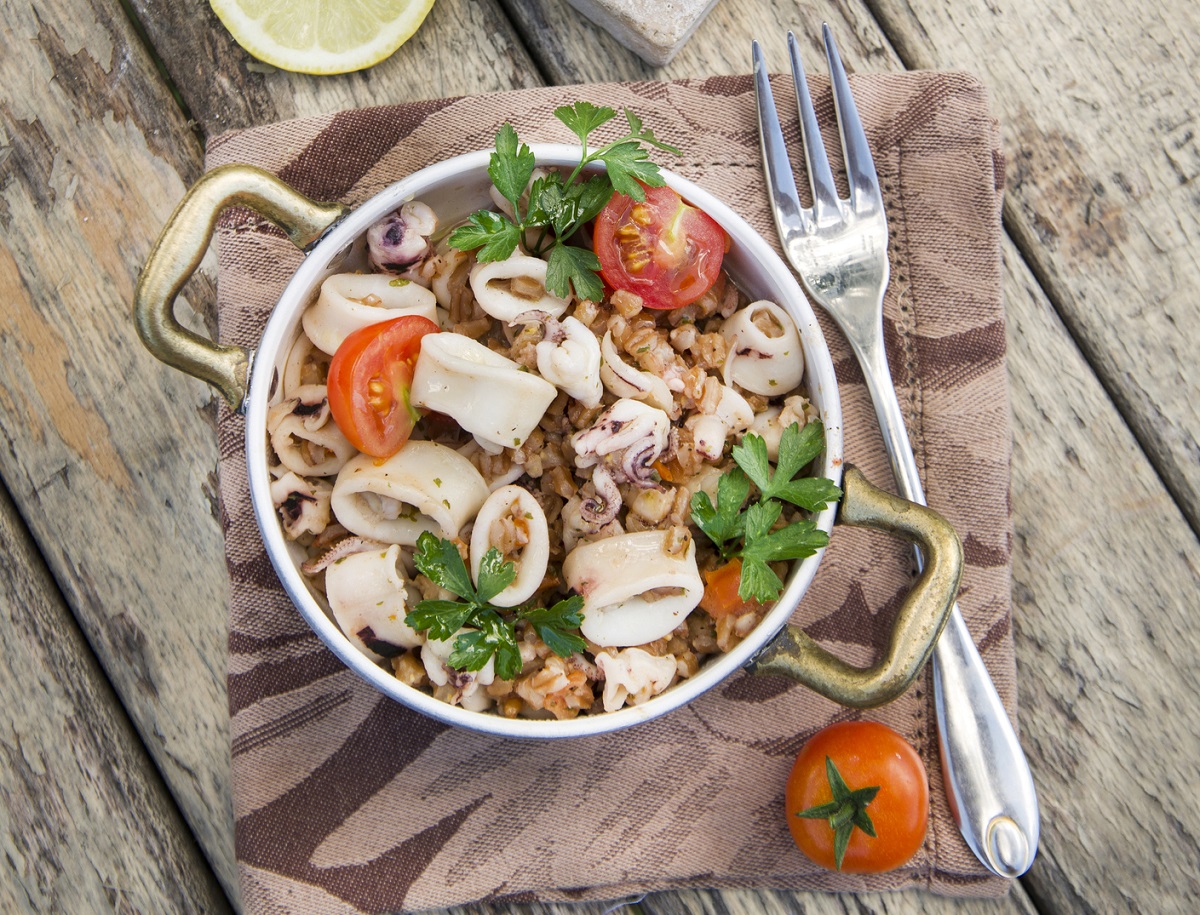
x: 839, y: 249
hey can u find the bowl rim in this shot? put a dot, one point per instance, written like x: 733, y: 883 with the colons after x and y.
x: 278, y: 333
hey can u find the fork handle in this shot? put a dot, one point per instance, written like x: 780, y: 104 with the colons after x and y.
x: 987, y: 777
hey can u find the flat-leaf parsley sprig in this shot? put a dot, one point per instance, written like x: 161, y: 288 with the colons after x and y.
x: 491, y: 628
x: 749, y: 534
x: 558, y: 206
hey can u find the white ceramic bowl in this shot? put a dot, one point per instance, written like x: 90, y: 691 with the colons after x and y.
x: 455, y: 188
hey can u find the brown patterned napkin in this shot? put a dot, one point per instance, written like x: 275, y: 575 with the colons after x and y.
x: 346, y: 801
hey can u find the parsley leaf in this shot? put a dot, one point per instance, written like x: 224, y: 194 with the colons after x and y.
x: 759, y: 582
x: 510, y: 165
x: 593, y: 195
x: 761, y: 544
x: 551, y: 624
x: 628, y: 164
x: 583, y: 117
x: 495, y: 233
x: 759, y: 519
x: 439, y: 561
x: 751, y: 455
x: 646, y: 135
x: 494, y: 575
x: 795, y: 541
x: 441, y: 618
x: 797, y: 448
x: 811, y: 493
x: 723, y: 522
x: 494, y: 638
x: 484, y: 631
x: 568, y: 266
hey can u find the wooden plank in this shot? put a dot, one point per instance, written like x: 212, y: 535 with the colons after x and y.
x: 750, y: 902
x: 86, y: 824
x: 1106, y: 573
x: 1099, y: 113
x: 1089, y: 631
x: 95, y: 153
x: 463, y: 47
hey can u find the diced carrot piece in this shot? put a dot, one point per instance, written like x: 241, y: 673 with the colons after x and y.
x: 721, y: 592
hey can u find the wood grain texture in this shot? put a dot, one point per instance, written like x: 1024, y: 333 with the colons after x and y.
x: 463, y: 47
x: 96, y: 154
x: 86, y: 824
x: 750, y: 902
x: 1099, y: 112
x: 1106, y: 573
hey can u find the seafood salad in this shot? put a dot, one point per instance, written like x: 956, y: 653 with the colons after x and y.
x: 546, y: 462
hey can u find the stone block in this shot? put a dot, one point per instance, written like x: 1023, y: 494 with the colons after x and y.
x: 653, y: 29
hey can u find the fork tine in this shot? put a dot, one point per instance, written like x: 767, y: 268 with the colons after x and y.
x: 860, y: 167
x: 820, y: 177
x: 790, y: 218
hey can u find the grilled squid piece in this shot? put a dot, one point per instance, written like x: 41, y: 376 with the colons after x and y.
x: 305, y: 365
x: 303, y: 505
x: 368, y: 596
x: 633, y: 675
x: 347, y: 546
x: 626, y: 381
x: 436, y: 657
x: 772, y: 421
x: 629, y: 437
x: 401, y: 239
x: 568, y: 356
x: 450, y: 277
x: 304, y: 436
x: 733, y: 415
x: 350, y: 301
x: 576, y: 527
x: 490, y: 396
x: 422, y: 487
x: 505, y: 289
x: 765, y: 356
x: 602, y: 508
x: 512, y: 514
x: 636, y: 587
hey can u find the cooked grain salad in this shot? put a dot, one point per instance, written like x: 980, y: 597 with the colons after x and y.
x: 547, y: 463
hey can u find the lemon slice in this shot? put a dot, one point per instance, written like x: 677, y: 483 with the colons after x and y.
x: 321, y: 36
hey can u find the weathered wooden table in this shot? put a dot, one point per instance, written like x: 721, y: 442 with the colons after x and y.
x: 114, y: 767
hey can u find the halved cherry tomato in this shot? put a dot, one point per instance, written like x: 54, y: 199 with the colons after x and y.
x: 721, y: 596
x: 867, y: 755
x: 369, y: 382
x: 667, y: 252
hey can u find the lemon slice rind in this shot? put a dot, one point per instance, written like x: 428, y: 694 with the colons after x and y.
x: 254, y: 34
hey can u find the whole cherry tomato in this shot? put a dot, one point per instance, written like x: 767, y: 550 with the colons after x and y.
x: 882, y: 801
x: 667, y: 252
x: 370, y: 378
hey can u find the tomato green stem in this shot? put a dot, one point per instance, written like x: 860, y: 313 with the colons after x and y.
x: 847, y: 810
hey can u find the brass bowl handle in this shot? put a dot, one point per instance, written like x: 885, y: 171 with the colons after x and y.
x: 919, y: 621
x: 179, y: 250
